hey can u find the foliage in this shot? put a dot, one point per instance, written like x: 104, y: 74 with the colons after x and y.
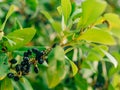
x: 77, y: 45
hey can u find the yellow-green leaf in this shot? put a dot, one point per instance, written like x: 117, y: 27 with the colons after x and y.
x: 91, y: 10
x: 66, y: 9
x: 6, y: 84
x: 19, y: 38
x: 98, y: 36
x: 114, y: 23
x: 74, y: 67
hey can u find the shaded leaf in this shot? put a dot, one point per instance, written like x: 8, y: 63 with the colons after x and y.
x: 11, y: 10
x: 6, y: 84
x: 26, y: 84
x: 32, y: 4
x: 56, y: 66
x: 3, y: 65
x: 56, y: 25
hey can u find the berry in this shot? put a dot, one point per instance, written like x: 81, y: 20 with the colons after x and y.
x: 18, y: 67
x: 13, y: 61
x: 26, y: 54
x: 36, y: 69
x: 34, y: 50
x: 10, y: 75
x: 26, y: 58
x: 29, y: 52
x: 16, y: 78
x: 40, y: 61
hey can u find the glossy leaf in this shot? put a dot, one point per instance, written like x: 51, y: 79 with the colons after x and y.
x: 6, y: 84
x: 114, y: 23
x: 111, y: 58
x: 19, y: 38
x: 91, y: 10
x: 3, y: 65
x: 74, y: 67
x: 98, y: 36
x: 66, y: 9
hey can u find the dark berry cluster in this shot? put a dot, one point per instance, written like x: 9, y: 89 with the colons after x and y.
x: 23, y: 68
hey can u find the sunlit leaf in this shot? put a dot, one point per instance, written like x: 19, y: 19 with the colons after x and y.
x: 74, y: 67
x: 66, y: 9
x: 19, y: 38
x: 97, y: 36
x: 111, y: 58
x: 91, y: 10
x: 114, y: 23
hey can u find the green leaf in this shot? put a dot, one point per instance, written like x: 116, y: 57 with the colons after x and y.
x: 91, y: 10
x: 97, y: 36
x: 56, y: 25
x: 56, y: 66
x: 11, y: 10
x: 6, y: 84
x: 96, y: 53
x: 81, y: 82
x: 74, y: 67
x: 66, y: 9
x: 111, y: 58
x: 32, y: 4
x: 114, y: 23
x: 19, y: 38
x: 59, y: 8
x: 3, y: 65
x: 26, y: 84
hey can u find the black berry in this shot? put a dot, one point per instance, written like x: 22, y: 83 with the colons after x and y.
x: 13, y: 61
x: 36, y: 69
x: 18, y: 67
x: 26, y: 58
x: 26, y: 54
x: 29, y: 52
x: 16, y: 78
x: 10, y: 75
x: 40, y: 61
x: 34, y: 50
